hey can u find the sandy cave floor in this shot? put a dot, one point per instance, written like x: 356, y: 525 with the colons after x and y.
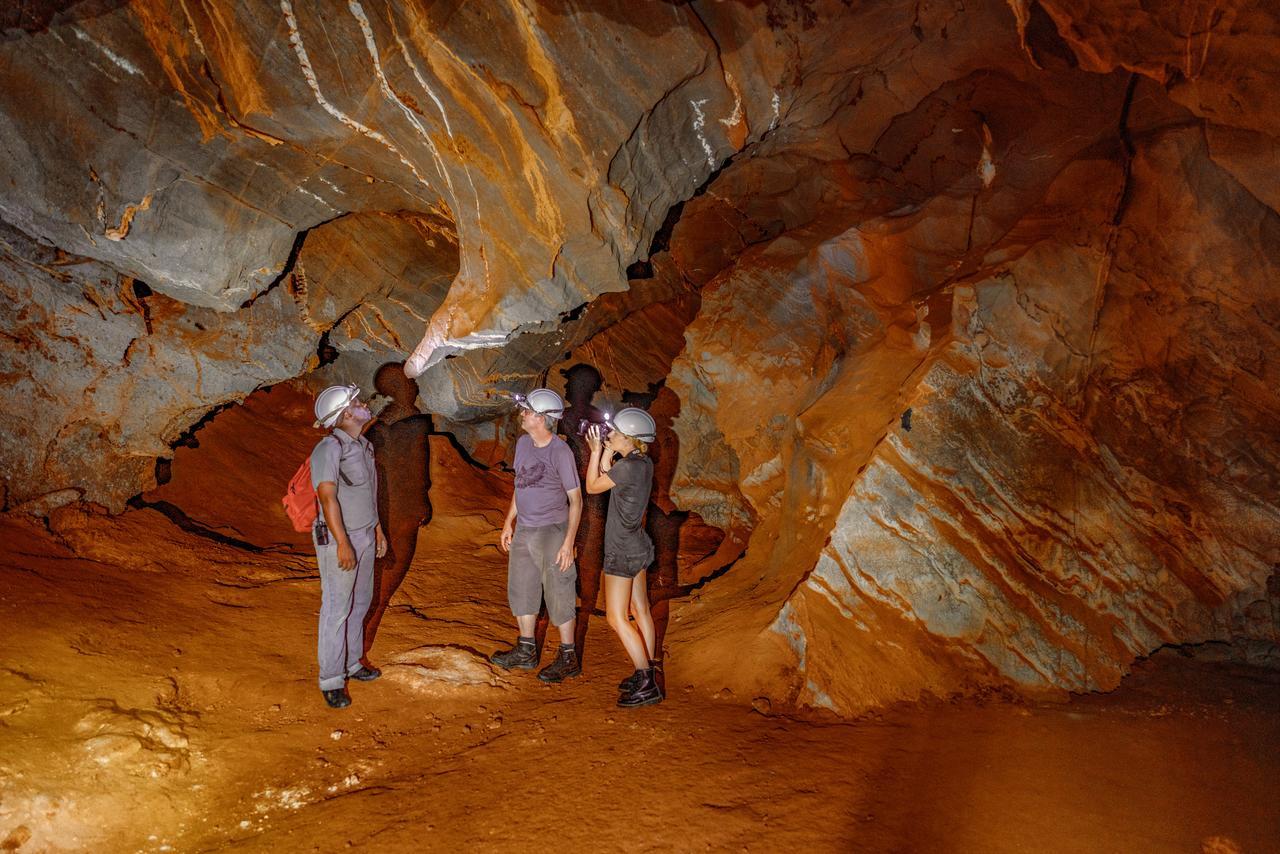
x: 157, y: 693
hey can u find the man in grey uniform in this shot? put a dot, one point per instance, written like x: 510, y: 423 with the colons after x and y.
x: 347, y: 538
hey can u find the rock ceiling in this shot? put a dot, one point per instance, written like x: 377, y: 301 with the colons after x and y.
x: 970, y: 309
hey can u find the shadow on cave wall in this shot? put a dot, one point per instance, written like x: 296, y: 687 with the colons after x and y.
x: 33, y: 16
x: 227, y: 474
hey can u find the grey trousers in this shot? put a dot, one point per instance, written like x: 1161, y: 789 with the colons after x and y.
x: 344, y: 599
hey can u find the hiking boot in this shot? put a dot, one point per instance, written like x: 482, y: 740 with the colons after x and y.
x: 366, y: 674
x: 337, y: 698
x: 565, y: 666
x: 646, y: 693
x: 626, y: 686
x: 629, y: 684
x: 522, y: 656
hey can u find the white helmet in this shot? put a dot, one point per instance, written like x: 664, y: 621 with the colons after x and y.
x: 635, y: 423
x: 331, y: 403
x: 544, y: 401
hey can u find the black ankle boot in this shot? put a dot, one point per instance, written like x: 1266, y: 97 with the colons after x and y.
x: 565, y: 666
x: 629, y: 684
x: 626, y: 686
x: 646, y: 693
x: 522, y: 656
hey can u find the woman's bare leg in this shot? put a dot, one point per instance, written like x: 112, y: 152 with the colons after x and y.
x: 617, y: 592
x: 640, y: 609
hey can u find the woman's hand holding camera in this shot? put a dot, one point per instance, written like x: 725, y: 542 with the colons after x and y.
x: 594, y: 439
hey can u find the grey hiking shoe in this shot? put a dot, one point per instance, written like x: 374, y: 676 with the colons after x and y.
x: 337, y: 698
x: 565, y: 666
x: 522, y: 656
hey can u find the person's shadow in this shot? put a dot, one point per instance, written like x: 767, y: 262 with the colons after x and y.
x: 402, y: 453
x: 582, y: 381
x: 663, y: 521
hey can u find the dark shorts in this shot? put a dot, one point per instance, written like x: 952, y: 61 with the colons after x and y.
x: 628, y: 566
x: 532, y: 574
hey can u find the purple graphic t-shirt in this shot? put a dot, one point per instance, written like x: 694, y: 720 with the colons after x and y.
x: 543, y: 476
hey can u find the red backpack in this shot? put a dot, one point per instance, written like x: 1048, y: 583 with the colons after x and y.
x: 300, y: 502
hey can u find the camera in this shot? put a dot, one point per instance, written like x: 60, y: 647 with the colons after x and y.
x: 585, y: 424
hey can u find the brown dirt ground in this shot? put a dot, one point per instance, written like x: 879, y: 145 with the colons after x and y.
x: 157, y: 693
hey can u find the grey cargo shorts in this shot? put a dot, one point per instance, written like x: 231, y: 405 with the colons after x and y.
x: 532, y: 574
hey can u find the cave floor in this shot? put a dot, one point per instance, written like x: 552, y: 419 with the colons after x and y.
x: 157, y: 693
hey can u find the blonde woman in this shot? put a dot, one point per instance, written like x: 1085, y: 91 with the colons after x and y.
x: 628, y: 551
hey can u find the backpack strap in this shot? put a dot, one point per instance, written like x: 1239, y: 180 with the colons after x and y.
x: 341, y: 474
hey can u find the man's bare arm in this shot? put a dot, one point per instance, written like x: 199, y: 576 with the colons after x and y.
x: 564, y: 558
x: 508, y: 526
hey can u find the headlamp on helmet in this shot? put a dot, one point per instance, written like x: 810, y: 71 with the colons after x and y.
x: 332, y: 402
x: 543, y: 401
x: 635, y: 423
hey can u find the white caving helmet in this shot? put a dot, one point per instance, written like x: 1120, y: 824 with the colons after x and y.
x: 635, y: 423
x: 331, y: 403
x: 543, y: 401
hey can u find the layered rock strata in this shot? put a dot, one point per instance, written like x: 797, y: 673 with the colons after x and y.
x: 1061, y: 462
x: 977, y: 375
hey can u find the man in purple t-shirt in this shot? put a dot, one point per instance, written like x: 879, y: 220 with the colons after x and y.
x: 538, y: 536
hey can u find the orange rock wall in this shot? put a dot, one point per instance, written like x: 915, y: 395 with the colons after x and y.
x: 1045, y: 228
x: 1018, y: 454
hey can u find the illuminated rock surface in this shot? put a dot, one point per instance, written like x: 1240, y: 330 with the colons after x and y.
x: 968, y: 312
x: 102, y: 375
x: 157, y: 689
x: 1071, y: 466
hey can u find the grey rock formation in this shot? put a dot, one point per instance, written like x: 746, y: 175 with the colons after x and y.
x: 103, y: 376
